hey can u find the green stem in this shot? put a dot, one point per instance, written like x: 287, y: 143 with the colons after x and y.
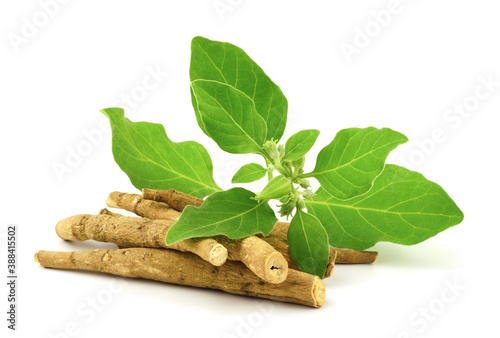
x: 275, y: 165
x: 269, y: 172
x: 306, y: 175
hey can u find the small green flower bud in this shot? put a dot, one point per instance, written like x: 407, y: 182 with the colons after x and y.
x: 304, y: 183
x: 299, y: 163
x: 287, y: 208
x: 286, y: 199
x: 277, y: 188
x: 300, y: 203
x: 271, y: 149
x: 308, y: 194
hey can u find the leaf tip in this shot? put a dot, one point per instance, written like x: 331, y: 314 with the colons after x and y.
x: 113, y: 112
x: 402, y: 137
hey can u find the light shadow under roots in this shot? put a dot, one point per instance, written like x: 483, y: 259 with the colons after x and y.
x: 425, y: 255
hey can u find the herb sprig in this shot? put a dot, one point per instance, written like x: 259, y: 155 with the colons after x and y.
x: 361, y: 201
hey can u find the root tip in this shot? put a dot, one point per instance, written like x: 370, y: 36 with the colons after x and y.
x: 319, y: 292
x: 218, y: 255
x: 111, y: 203
x: 64, y: 228
x: 276, y: 268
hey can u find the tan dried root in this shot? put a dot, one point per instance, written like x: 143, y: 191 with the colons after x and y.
x: 256, y: 254
x: 174, y: 267
x: 348, y: 256
x: 176, y: 199
x: 156, y: 210
x: 260, y: 257
x: 344, y: 256
x: 142, y: 207
x: 135, y: 232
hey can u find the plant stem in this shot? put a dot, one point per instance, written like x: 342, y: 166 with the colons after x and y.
x: 269, y: 172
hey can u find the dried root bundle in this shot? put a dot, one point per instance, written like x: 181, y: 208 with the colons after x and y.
x: 257, y: 266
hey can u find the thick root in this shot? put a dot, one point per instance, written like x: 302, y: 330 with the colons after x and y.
x: 170, y: 266
x: 142, y: 207
x: 260, y: 257
x: 348, y: 256
x: 176, y: 199
x: 135, y: 232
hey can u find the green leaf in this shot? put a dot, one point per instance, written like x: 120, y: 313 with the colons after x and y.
x: 228, y: 64
x: 276, y: 188
x: 349, y: 164
x: 300, y: 143
x: 229, y: 117
x: 232, y: 213
x: 151, y: 160
x: 249, y: 173
x: 308, y: 243
x: 402, y: 207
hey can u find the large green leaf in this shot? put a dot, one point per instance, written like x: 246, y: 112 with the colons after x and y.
x: 308, y: 243
x: 151, y: 160
x: 229, y: 117
x: 349, y: 164
x: 229, y: 64
x: 232, y: 213
x: 402, y: 207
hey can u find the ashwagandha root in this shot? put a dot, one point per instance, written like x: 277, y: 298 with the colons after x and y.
x: 260, y: 257
x: 348, y: 256
x: 174, y: 267
x: 344, y: 256
x: 135, y: 232
x: 176, y: 199
x: 152, y: 210
x: 282, y: 246
x: 142, y: 207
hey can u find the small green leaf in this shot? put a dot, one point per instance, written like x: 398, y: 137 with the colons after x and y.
x: 402, y: 207
x: 249, y: 173
x: 308, y: 243
x: 300, y: 143
x: 232, y: 213
x: 349, y: 164
x: 229, y: 64
x: 229, y: 117
x: 151, y: 160
x: 277, y: 188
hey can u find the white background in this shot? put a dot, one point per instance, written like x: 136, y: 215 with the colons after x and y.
x: 411, y: 75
